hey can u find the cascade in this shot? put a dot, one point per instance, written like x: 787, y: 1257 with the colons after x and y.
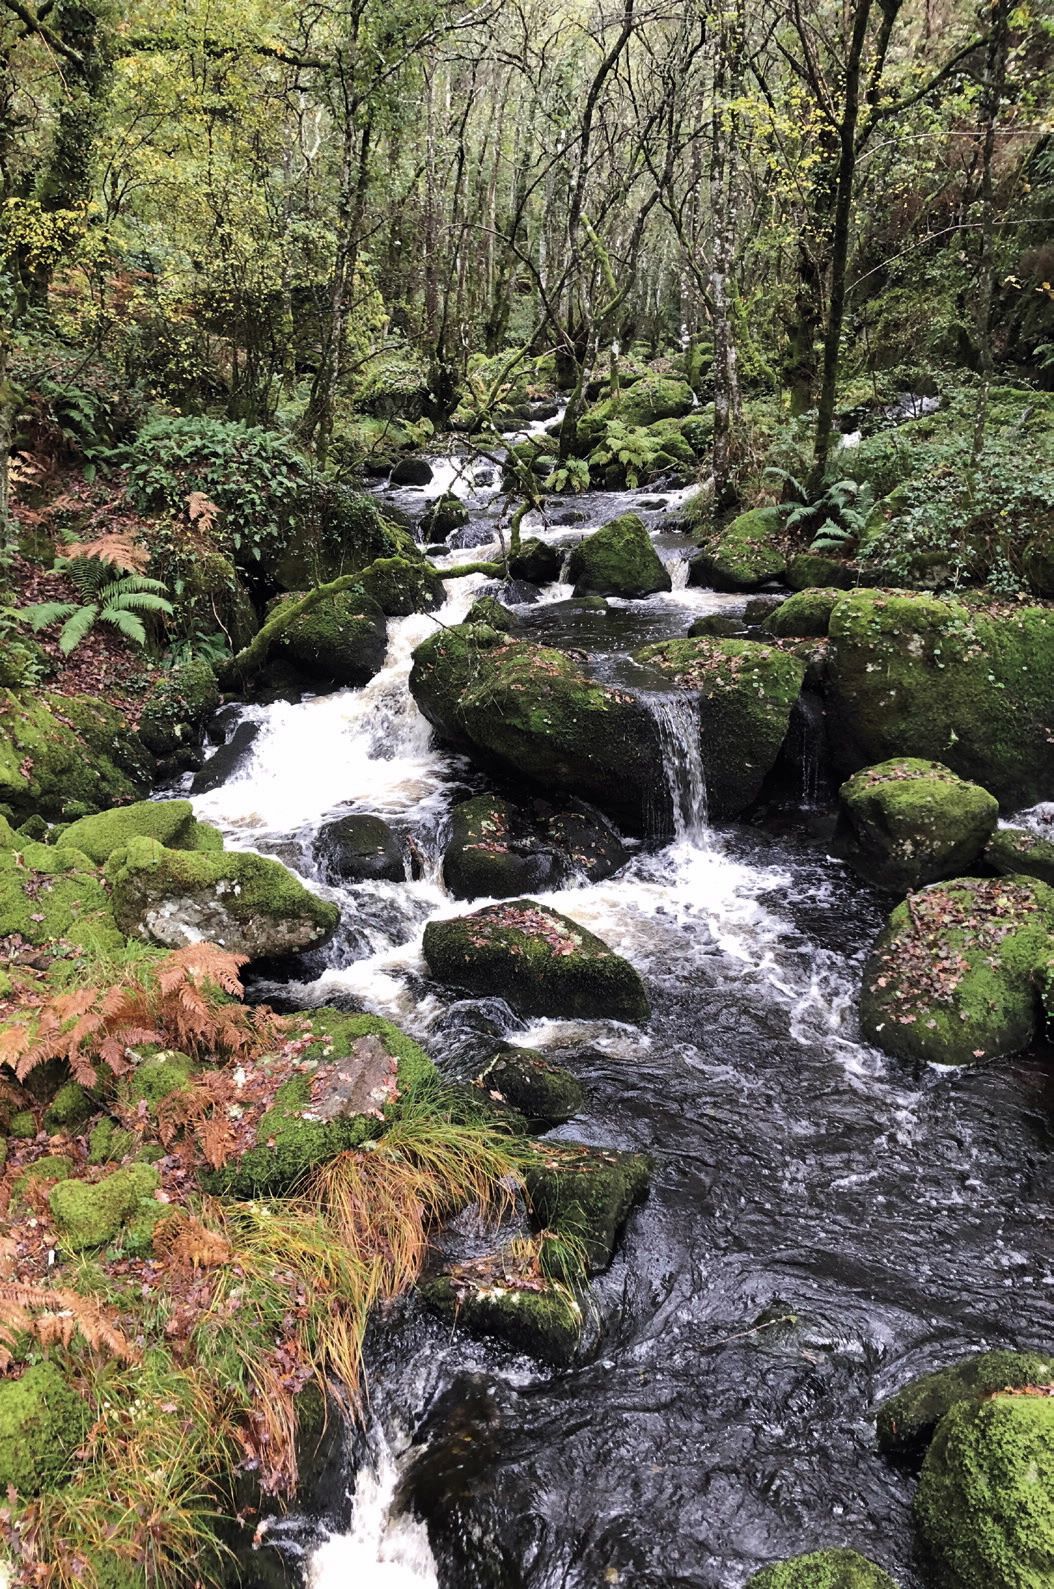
x: 677, y: 719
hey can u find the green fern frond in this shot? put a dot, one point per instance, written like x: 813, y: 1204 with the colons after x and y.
x: 43, y: 613
x: 76, y: 627
x: 126, y: 623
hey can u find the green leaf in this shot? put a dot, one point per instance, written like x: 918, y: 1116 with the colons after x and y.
x: 75, y: 628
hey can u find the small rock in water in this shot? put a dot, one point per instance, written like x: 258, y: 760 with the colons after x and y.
x: 228, y: 760
x: 411, y: 472
x: 360, y: 847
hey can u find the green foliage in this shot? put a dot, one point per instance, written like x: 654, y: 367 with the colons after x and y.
x: 117, y: 602
x: 834, y: 521
x: 633, y: 447
x: 572, y: 474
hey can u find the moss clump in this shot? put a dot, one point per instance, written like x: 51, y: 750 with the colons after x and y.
x: 400, y: 586
x: 746, y: 692
x: 170, y: 822
x: 92, y: 1215
x: 823, y: 1569
x: 246, y: 902
x: 537, y: 562
x: 64, y: 755
x: 52, y: 1167
x: 175, y: 711
x: 954, y: 977
x: 487, y: 610
x: 907, y: 1421
x: 48, y: 894
x: 447, y: 514
x: 618, y: 560
x: 913, y: 675
x: 984, y: 1508
x: 908, y: 822
x: 544, y: 1093
x: 156, y: 1077
x: 69, y: 1108
x: 584, y: 1194
x: 546, y: 1323
x: 806, y: 615
x: 1021, y: 850
x: 109, y: 1142
x: 22, y: 1125
x: 746, y: 554
x: 342, y: 639
x: 42, y: 1422
x: 645, y: 402
x: 542, y: 963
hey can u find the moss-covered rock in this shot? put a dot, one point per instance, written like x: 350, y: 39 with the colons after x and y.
x: 341, y: 639
x: 537, y: 562
x: 542, y: 1320
x: 914, y: 675
x: 402, y: 585
x: 652, y: 398
x: 66, y: 755
x: 489, y: 611
x: 360, y: 847
x: 176, y: 709
x: 446, y: 514
x: 42, y: 1172
x: 584, y: 1194
x: 955, y: 976
x: 42, y: 1422
x: 718, y: 626
x: 337, y: 531
x: 811, y: 570
x: 248, y: 903
x: 541, y: 962
x: 351, y: 1076
x: 907, y: 1420
x: 71, y: 1106
x: 494, y: 853
x: 823, y: 1569
x: 746, y: 692
x: 618, y: 560
x: 542, y: 1092
x: 984, y: 1508
x: 171, y: 822
x: 52, y: 893
x: 746, y: 554
x: 908, y: 822
x: 155, y: 1078
x: 806, y: 614
x: 93, y: 1214
x: 1020, y: 850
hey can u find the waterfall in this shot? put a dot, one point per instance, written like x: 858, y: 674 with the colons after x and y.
x: 677, y: 719
x: 383, y: 1549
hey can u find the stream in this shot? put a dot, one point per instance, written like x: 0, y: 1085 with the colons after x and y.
x: 822, y: 1223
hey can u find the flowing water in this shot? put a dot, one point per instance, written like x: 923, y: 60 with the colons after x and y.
x: 823, y: 1223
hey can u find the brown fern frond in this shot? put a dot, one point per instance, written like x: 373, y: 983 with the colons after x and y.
x: 115, y: 547
x: 53, y: 1316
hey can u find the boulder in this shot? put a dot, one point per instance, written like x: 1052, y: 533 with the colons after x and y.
x: 719, y: 626
x: 914, y: 675
x: 400, y: 586
x: 806, y: 615
x: 411, y: 472
x: 494, y: 852
x: 823, y: 1569
x: 447, y: 514
x: 543, y: 1093
x: 504, y: 1296
x: 51, y: 894
x: 618, y: 560
x: 63, y: 756
x: 909, y: 822
x: 489, y: 611
x: 359, y: 848
x: 808, y: 570
x: 984, y: 1508
x: 245, y: 902
x: 170, y: 822
x: 538, y: 562
x: 593, y: 848
x: 42, y: 1422
x: 907, y: 1421
x: 1021, y: 850
x: 584, y: 1195
x: 342, y: 639
x: 746, y: 693
x: 539, y: 961
x: 954, y: 976
x: 652, y: 398
x: 745, y: 555
x: 177, y: 708
x: 228, y: 760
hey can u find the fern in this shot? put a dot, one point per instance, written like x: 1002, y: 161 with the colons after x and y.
x: 53, y: 1317
x: 103, y: 599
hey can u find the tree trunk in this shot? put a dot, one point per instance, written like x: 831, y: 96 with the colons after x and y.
x: 994, y: 81
x: 727, y: 407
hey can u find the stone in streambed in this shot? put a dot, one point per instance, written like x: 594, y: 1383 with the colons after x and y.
x: 504, y: 1297
x: 447, y: 514
x: 718, y: 625
x: 489, y: 611
x: 907, y: 1421
x: 584, y: 1195
x: 823, y: 1569
x: 539, y: 961
x: 494, y: 853
x: 806, y: 615
x: 618, y: 560
x: 177, y: 708
x: 908, y: 822
x: 593, y: 847
x: 543, y: 1093
x: 342, y: 639
x: 361, y: 848
x: 743, y: 556
x: 229, y: 759
x: 537, y: 562
x: 1021, y: 850
x: 400, y: 586
x: 411, y: 472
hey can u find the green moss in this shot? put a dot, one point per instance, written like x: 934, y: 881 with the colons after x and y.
x: 52, y: 1167
x: 170, y: 822
x: 446, y: 514
x: 542, y: 1092
x: 22, y: 1125
x: 538, y: 562
x: 584, y: 1194
x: 486, y: 610
x: 653, y: 398
x: 244, y: 901
x: 48, y: 894
x: 62, y: 755
x: 342, y: 638
x: 155, y: 1077
x: 618, y: 560
x: 908, y: 822
x: 42, y: 1422
x: 809, y: 570
x: 913, y: 675
x: 545, y: 1323
x: 823, y: 1569
x: 92, y: 1215
x: 954, y: 977
x: 400, y: 586
x: 744, y: 555
x: 806, y: 614
x: 984, y: 1509
x: 541, y: 962
x: 69, y: 1108
x: 176, y: 708
x: 109, y: 1143
x: 1021, y: 850
x: 907, y: 1421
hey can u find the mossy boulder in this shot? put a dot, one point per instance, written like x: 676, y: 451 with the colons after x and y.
x: 247, y: 903
x: 907, y: 1420
x: 447, y: 514
x: 652, y: 398
x: 360, y: 848
x: 171, y: 822
x: 63, y: 756
x: 914, y: 675
x: 42, y: 1422
x: 984, y: 1508
x: 718, y: 626
x: 537, y: 562
x: 618, y: 560
x: 955, y: 976
x: 544, y: 1093
x: 93, y: 1214
x: 156, y: 1077
x: 489, y: 611
x: 745, y: 555
x: 341, y: 640
x: 1020, y: 850
x: 351, y: 1075
x: 823, y: 1569
x: 533, y: 710
x: 745, y: 692
x: 494, y: 852
x: 543, y: 1320
x: 53, y: 893
x: 908, y: 822
x: 401, y: 585
x: 176, y: 709
x: 585, y: 1194
x: 811, y: 570
x: 42, y: 1172
x: 70, y: 1107
x: 337, y: 531
x: 805, y: 615
x: 539, y: 961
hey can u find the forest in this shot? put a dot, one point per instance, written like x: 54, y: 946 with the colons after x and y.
x: 526, y: 794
